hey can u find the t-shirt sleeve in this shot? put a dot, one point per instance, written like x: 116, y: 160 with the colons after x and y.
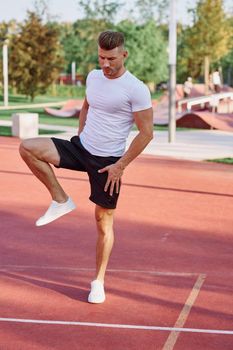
x: 141, y: 98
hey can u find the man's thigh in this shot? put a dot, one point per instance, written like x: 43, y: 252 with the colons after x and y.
x: 43, y: 149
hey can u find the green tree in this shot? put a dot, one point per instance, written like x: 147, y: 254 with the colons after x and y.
x: 80, y: 39
x: 41, y: 9
x: 186, y: 64
x: 152, y: 10
x: 147, y: 51
x: 227, y: 61
x: 146, y: 41
x: 100, y: 9
x: 207, y: 41
x: 227, y: 68
x: 71, y: 44
x: 35, y: 59
x: 7, y: 31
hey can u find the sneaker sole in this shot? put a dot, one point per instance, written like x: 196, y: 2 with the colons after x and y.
x: 96, y: 302
x: 54, y: 218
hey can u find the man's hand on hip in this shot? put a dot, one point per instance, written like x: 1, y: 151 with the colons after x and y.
x: 115, y: 171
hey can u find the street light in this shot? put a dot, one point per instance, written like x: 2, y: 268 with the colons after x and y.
x: 5, y: 72
x: 172, y: 72
x: 73, y: 72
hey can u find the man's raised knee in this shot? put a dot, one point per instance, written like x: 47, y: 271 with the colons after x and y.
x: 25, y: 146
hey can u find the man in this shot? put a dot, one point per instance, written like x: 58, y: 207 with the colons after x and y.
x: 188, y: 85
x: 216, y: 81
x: 115, y: 99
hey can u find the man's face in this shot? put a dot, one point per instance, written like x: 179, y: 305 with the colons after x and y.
x: 112, y: 61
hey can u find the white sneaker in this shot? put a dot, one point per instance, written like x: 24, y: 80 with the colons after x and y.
x: 97, y: 294
x: 56, y: 210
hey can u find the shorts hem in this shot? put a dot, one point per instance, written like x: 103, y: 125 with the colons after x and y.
x: 101, y: 205
x: 58, y: 150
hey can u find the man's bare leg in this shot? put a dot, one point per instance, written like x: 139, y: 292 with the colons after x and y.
x: 105, y: 240
x: 37, y: 154
x: 104, y: 222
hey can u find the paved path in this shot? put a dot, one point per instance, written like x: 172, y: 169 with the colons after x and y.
x: 189, y: 144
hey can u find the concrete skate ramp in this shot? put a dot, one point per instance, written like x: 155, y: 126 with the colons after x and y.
x: 198, y: 117
x: 71, y: 108
x: 160, y: 107
x: 206, y: 120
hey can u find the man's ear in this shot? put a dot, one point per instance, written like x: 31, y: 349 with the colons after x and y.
x: 125, y: 54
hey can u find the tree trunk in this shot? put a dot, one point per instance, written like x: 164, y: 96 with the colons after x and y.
x: 54, y: 89
x: 207, y: 74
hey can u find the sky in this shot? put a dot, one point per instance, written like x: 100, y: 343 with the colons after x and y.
x: 67, y: 10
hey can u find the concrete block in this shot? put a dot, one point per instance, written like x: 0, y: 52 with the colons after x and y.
x: 25, y: 125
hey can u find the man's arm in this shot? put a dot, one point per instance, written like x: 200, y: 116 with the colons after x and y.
x: 144, y: 122
x: 83, y: 116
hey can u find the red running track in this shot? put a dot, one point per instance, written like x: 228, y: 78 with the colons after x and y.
x: 169, y: 283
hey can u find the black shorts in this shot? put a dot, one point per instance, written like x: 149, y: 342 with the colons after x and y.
x: 75, y: 157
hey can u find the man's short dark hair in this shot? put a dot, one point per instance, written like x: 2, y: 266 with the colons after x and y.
x: 108, y: 40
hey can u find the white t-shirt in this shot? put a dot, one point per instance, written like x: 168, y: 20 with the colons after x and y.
x: 110, y: 114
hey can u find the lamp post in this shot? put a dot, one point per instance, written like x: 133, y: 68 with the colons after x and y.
x: 5, y: 72
x: 172, y: 72
x: 73, y: 72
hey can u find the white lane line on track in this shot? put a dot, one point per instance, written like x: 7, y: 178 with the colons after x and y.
x: 173, y: 336
x: 67, y: 268
x: 75, y: 269
x: 119, y: 326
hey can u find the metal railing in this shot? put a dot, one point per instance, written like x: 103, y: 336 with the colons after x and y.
x: 213, y: 100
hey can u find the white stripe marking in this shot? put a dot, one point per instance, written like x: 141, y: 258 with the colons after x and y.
x: 111, y: 325
x: 173, y: 336
x: 157, y: 273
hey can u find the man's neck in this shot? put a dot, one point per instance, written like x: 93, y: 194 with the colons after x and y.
x: 118, y: 75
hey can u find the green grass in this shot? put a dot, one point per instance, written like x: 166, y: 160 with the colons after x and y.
x: 222, y: 160
x: 43, y: 118
x: 6, y: 131
x: 21, y: 99
x: 50, y: 120
x: 156, y: 95
x: 165, y: 128
x: 46, y: 119
x: 59, y: 93
x: 67, y: 91
x: 72, y: 122
x: 15, y: 100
